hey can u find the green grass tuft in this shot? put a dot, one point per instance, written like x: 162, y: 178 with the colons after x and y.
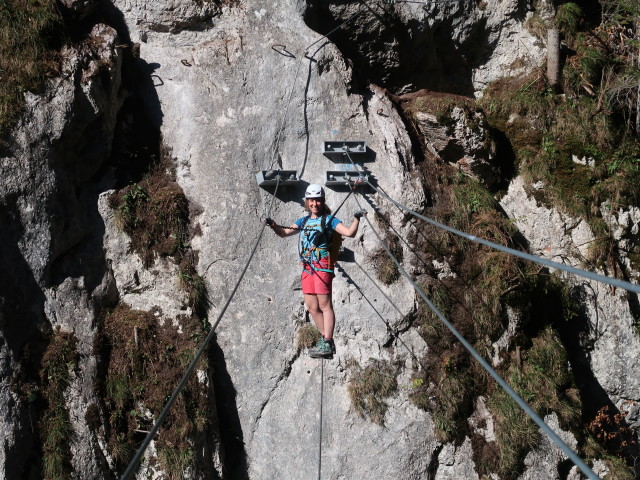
x: 58, y: 363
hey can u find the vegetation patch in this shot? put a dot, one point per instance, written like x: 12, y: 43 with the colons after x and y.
x: 155, y: 214
x: 307, y: 336
x: 58, y: 363
x: 194, y: 284
x: 142, y: 362
x: 440, y: 105
x: 29, y: 41
x: 386, y: 269
x: 543, y: 380
x: 581, y: 148
x: 370, y: 386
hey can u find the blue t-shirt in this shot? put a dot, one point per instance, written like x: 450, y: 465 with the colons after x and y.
x: 313, y: 233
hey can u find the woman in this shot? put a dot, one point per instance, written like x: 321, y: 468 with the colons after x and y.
x: 316, y: 230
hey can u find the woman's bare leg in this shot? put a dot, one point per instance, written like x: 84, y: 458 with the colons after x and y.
x: 311, y: 301
x: 329, y: 320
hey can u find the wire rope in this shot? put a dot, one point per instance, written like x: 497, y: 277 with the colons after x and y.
x: 320, y: 428
x: 133, y: 464
x: 512, y: 393
x: 614, y: 282
x: 295, y: 78
x: 394, y: 334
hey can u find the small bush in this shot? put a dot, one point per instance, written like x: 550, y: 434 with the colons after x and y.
x: 545, y: 383
x: 307, y: 336
x: 385, y: 268
x: 142, y: 362
x: 155, y: 214
x: 194, y: 284
x: 447, y: 393
x: 58, y: 362
x: 369, y: 387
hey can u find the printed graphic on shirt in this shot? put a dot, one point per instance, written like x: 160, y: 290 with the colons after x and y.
x: 314, y: 243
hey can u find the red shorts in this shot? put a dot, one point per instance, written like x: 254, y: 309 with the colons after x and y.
x: 316, y: 282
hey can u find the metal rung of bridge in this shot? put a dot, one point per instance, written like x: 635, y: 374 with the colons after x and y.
x: 269, y: 178
x: 338, y: 149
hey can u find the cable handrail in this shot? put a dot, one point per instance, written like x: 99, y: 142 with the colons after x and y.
x: 393, y: 332
x: 614, y: 282
x: 305, y: 53
x: 133, y: 464
x: 512, y: 393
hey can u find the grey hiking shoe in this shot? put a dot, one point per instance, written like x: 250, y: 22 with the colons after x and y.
x: 321, y: 349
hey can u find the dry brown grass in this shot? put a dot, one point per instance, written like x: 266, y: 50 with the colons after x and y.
x: 142, y: 363
x: 29, y: 32
x: 155, y: 214
x: 307, y: 336
x: 368, y: 387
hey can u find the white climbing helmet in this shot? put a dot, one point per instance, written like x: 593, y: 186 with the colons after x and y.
x: 314, y: 191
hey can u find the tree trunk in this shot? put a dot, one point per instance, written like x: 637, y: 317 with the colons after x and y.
x: 553, y: 58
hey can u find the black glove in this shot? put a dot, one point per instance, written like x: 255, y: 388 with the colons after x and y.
x: 269, y: 222
x: 359, y: 214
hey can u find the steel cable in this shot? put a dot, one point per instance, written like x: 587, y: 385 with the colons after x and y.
x: 295, y: 78
x: 614, y: 282
x: 320, y: 428
x: 133, y: 464
x: 521, y: 403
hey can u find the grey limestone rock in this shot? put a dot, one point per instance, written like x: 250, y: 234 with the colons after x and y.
x: 610, y: 340
x: 465, y: 142
x: 50, y: 226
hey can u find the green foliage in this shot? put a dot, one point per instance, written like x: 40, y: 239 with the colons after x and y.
x: 29, y: 32
x: 155, y: 214
x: 58, y: 363
x: 132, y: 203
x: 448, y: 394
x: 369, y: 387
x: 545, y: 383
x: 180, y: 460
x: 195, y: 286
x: 142, y: 362
x: 568, y: 16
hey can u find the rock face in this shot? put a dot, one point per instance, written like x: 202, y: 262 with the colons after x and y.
x: 234, y: 88
x: 609, y: 340
x: 53, y: 268
x: 465, y: 143
x: 454, y: 47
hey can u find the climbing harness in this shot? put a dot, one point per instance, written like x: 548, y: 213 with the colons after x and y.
x: 314, y: 252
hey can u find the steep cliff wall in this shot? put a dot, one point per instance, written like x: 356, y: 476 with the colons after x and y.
x: 221, y: 90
